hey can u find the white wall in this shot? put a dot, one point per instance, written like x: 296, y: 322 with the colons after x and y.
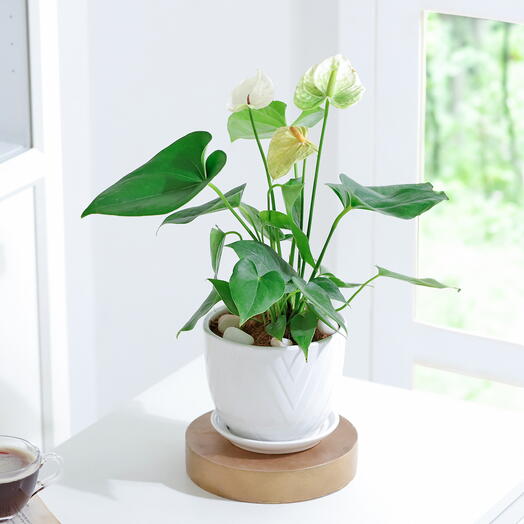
x: 136, y: 75
x: 20, y: 410
x: 356, y: 145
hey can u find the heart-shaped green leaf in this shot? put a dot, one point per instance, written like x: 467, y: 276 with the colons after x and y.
x: 277, y: 234
x: 164, y: 183
x: 204, y: 308
x: 252, y: 215
x: 320, y: 303
x: 330, y: 288
x: 264, y: 258
x: 337, y: 281
x: 278, y: 327
x: 302, y: 327
x: 291, y: 192
x: 217, y: 239
x: 254, y: 293
x: 426, y: 282
x: 280, y: 220
x: 267, y: 121
x: 310, y: 117
x: 189, y: 214
x: 223, y: 289
x: 401, y: 201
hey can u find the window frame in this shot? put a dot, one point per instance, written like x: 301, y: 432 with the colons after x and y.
x: 15, y: 107
x: 390, y: 340
x: 40, y: 167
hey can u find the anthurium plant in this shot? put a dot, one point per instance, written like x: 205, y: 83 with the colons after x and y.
x: 279, y: 283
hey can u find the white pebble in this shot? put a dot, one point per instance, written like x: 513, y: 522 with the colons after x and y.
x: 325, y: 329
x: 237, y: 335
x: 281, y: 343
x: 226, y: 321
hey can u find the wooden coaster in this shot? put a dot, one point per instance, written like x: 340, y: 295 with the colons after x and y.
x: 219, y: 467
x: 35, y: 512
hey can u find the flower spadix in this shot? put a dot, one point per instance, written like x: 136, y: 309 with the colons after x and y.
x: 334, y: 79
x: 255, y: 92
x: 288, y: 145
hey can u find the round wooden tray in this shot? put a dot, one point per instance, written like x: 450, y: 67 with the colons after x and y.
x: 217, y: 466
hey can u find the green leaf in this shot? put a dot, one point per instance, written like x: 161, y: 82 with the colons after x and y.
x: 296, y: 213
x: 189, y: 214
x: 320, y: 302
x: 277, y: 234
x: 427, y: 282
x: 217, y: 239
x: 267, y: 121
x: 264, y: 258
x: 290, y: 287
x: 302, y: 327
x: 254, y: 293
x: 252, y: 215
x: 277, y: 328
x: 166, y: 182
x: 310, y: 117
x: 222, y: 288
x: 291, y: 192
x: 204, y: 308
x: 330, y: 288
x: 402, y: 201
x: 280, y: 220
x: 337, y: 281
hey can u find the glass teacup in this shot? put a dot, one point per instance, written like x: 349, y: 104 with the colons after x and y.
x: 20, y: 463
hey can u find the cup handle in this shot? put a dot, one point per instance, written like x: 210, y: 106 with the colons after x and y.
x: 58, y: 462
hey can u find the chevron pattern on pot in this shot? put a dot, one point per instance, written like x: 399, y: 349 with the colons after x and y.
x: 273, y: 394
x: 300, y: 387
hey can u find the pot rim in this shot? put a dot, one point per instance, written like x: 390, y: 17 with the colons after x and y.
x: 222, y: 309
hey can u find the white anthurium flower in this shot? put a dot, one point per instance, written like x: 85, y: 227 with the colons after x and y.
x: 255, y: 92
x: 335, y: 79
x: 288, y: 145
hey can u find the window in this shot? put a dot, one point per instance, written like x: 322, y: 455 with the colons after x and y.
x: 448, y: 109
x: 469, y: 388
x: 474, y: 148
x: 473, y: 143
x: 15, y: 112
x: 31, y: 223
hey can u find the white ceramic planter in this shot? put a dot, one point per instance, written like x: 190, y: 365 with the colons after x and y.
x: 268, y: 393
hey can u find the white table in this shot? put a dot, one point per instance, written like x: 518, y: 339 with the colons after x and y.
x: 423, y: 459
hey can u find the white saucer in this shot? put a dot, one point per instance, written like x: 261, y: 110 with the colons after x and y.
x: 273, y: 447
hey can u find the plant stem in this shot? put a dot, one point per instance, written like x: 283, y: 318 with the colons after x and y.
x: 301, y: 264
x: 264, y: 160
x: 271, y: 197
x: 302, y: 194
x: 348, y: 301
x: 234, y: 233
x: 257, y: 233
x: 302, y: 268
x: 293, y: 243
x: 326, y: 243
x: 317, y: 168
x: 230, y: 207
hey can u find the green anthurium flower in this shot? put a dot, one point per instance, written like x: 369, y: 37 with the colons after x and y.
x: 288, y: 145
x: 334, y: 79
